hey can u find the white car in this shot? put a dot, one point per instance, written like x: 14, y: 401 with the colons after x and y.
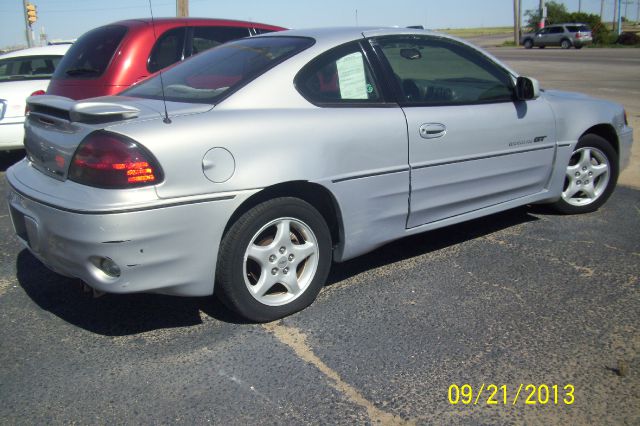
x: 23, y: 73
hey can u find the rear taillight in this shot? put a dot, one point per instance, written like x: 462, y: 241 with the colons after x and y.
x: 36, y: 93
x: 108, y: 160
x: 578, y: 35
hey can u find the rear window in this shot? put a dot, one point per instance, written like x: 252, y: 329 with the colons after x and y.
x: 90, y: 55
x: 212, y: 75
x: 28, y: 67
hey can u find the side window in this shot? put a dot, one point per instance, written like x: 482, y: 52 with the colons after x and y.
x: 167, y: 50
x: 339, y: 76
x: 544, y: 31
x: 556, y: 30
x: 207, y: 37
x: 262, y: 30
x: 435, y: 71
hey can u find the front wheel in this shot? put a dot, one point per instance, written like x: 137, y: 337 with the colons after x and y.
x: 274, y: 259
x: 590, y: 176
x: 528, y: 43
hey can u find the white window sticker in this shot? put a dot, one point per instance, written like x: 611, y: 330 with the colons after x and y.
x: 353, y: 84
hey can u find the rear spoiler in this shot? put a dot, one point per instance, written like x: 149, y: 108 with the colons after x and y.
x: 92, y: 111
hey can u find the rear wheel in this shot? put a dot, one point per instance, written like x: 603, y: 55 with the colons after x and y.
x: 590, y: 176
x: 274, y: 260
x: 565, y: 44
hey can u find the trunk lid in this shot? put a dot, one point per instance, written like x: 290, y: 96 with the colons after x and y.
x: 56, y: 126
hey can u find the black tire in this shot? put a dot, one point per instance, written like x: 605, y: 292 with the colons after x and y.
x: 231, y: 286
x: 528, y: 43
x: 565, y: 44
x: 600, y: 147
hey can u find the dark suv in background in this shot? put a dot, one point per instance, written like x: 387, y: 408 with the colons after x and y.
x: 109, y: 59
x: 563, y: 35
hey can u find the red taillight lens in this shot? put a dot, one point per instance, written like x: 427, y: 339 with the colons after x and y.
x: 578, y: 35
x: 108, y: 160
x: 36, y: 93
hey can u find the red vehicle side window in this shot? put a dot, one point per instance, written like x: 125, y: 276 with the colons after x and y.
x: 207, y: 37
x: 168, y: 50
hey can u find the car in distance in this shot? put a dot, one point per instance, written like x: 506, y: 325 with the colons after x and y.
x: 281, y: 153
x: 109, y: 59
x: 563, y: 35
x: 22, y: 74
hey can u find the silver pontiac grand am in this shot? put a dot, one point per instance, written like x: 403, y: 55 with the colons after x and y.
x: 254, y: 165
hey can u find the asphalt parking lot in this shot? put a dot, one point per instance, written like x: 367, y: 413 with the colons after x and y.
x: 525, y: 297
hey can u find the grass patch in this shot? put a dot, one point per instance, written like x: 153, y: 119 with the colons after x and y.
x: 477, y: 32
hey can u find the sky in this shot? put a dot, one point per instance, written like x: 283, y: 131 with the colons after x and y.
x: 68, y: 19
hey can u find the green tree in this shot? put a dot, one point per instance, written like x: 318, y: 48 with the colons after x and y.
x: 556, y: 14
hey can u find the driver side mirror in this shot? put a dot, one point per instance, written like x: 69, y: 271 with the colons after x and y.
x: 527, y: 88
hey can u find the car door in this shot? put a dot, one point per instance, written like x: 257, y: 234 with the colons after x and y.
x: 542, y: 37
x: 556, y: 34
x: 471, y: 145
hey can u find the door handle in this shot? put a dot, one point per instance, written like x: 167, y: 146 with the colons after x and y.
x: 432, y: 130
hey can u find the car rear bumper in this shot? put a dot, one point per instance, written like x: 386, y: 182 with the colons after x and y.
x: 169, y: 250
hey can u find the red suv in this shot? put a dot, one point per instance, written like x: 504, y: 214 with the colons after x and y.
x: 108, y: 59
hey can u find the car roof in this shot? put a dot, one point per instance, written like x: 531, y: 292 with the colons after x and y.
x: 58, y: 49
x: 568, y: 23
x: 327, y: 36
x: 189, y: 20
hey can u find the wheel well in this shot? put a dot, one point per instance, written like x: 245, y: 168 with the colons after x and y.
x: 607, y: 132
x: 316, y: 195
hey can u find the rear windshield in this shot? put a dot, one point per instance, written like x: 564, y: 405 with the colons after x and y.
x: 28, y: 67
x: 90, y: 55
x: 576, y: 28
x: 215, y: 73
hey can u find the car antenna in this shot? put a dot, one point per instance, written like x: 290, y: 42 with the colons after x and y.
x: 166, y: 118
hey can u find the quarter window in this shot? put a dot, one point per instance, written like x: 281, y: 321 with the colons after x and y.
x: 339, y: 76
x: 434, y: 71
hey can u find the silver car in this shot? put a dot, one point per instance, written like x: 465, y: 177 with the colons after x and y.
x: 247, y: 169
x: 563, y: 35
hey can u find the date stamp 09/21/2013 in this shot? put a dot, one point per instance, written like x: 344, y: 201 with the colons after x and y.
x: 526, y: 394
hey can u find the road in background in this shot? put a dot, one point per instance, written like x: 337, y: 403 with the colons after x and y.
x: 522, y: 297
x: 612, y: 74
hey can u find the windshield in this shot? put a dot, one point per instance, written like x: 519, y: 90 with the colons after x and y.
x: 28, y: 67
x: 91, y: 54
x: 213, y: 74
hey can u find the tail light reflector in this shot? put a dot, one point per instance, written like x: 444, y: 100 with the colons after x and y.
x: 578, y: 35
x: 109, y: 160
x: 36, y: 93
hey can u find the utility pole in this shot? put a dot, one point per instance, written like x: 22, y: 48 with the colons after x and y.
x: 182, y: 8
x: 601, y: 9
x: 637, y: 11
x: 615, y: 15
x: 619, y: 16
x: 542, y: 14
x: 579, y: 6
x: 516, y: 22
